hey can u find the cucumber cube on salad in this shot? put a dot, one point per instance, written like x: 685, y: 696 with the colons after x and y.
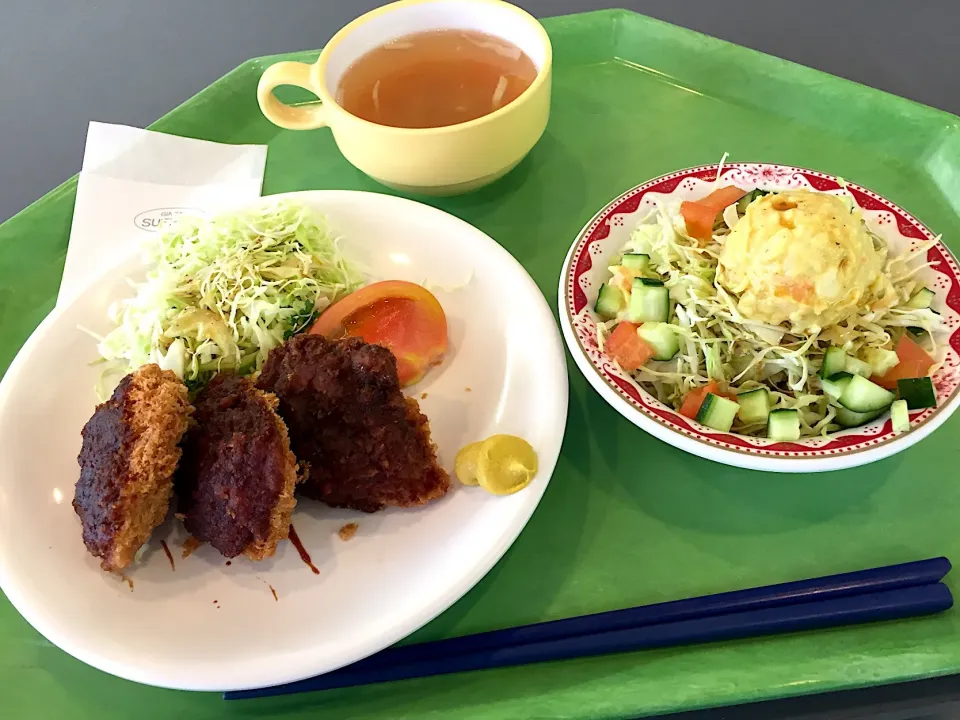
x: 834, y: 361
x: 849, y: 418
x: 863, y: 396
x: 717, y: 412
x: 922, y: 299
x: 661, y: 337
x: 900, y: 416
x: 836, y: 384
x: 649, y: 301
x: 784, y: 425
x: 917, y: 392
x: 637, y: 262
x: 754, y: 406
x: 610, y: 302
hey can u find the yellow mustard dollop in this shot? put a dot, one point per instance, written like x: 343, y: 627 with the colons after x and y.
x: 501, y: 464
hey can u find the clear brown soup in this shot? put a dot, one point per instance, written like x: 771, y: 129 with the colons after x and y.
x: 435, y: 78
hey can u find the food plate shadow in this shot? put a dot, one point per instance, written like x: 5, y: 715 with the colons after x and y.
x: 698, y: 494
x: 525, y: 192
x: 508, y: 184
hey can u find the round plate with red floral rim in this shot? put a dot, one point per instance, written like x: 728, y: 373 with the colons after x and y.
x: 602, y: 239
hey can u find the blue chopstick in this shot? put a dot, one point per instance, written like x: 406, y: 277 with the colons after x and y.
x: 890, y: 577
x: 853, y: 609
x: 865, y: 596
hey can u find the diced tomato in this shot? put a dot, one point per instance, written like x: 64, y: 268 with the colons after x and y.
x: 699, y: 220
x: 725, y: 196
x: 403, y: 317
x: 694, y: 399
x: 628, y: 348
x: 914, y: 363
x: 700, y: 216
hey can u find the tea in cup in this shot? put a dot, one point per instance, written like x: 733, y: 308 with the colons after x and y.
x: 437, y: 97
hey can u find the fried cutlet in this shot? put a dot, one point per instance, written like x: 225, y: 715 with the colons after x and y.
x: 363, y: 444
x: 235, y: 482
x: 127, y: 462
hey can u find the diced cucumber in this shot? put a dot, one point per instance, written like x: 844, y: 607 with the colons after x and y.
x: 649, y: 301
x: 922, y: 299
x: 900, y: 415
x: 862, y: 396
x: 855, y: 366
x: 717, y: 412
x: 849, y: 418
x: 918, y: 392
x: 635, y: 261
x: 610, y: 301
x: 881, y: 360
x: 836, y: 384
x: 661, y: 338
x: 834, y: 361
x: 783, y: 425
x: 749, y: 198
x: 754, y: 406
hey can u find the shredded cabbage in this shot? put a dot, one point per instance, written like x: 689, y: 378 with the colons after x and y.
x: 221, y: 294
x: 718, y: 343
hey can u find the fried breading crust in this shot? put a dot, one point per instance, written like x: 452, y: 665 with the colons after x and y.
x: 364, y: 445
x: 127, y: 462
x: 235, y: 482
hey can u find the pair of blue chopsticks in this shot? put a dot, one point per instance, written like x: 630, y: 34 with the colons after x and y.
x: 886, y: 593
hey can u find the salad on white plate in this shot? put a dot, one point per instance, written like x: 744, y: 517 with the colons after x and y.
x: 222, y: 293
x: 772, y: 314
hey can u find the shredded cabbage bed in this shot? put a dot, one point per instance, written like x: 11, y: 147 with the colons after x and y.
x: 718, y: 343
x: 222, y: 293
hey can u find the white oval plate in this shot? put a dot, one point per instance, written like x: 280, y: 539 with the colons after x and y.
x: 585, y: 269
x: 210, y: 626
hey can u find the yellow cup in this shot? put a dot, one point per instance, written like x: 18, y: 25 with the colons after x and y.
x: 436, y: 161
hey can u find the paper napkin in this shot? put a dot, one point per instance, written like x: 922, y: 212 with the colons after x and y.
x: 134, y: 181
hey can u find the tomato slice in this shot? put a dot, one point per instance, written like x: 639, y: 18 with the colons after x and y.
x: 628, y: 348
x: 699, y: 216
x: 914, y: 363
x: 404, y: 317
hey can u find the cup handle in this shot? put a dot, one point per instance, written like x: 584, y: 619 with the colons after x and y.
x: 286, y: 116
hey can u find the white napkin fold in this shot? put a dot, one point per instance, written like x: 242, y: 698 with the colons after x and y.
x: 133, y: 181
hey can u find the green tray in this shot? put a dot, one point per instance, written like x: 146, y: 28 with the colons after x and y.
x: 627, y: 519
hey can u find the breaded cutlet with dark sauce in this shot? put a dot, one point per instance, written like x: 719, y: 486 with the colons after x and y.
x: 363, y: 444
x: 127, y: 462
x: 235, y: 482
